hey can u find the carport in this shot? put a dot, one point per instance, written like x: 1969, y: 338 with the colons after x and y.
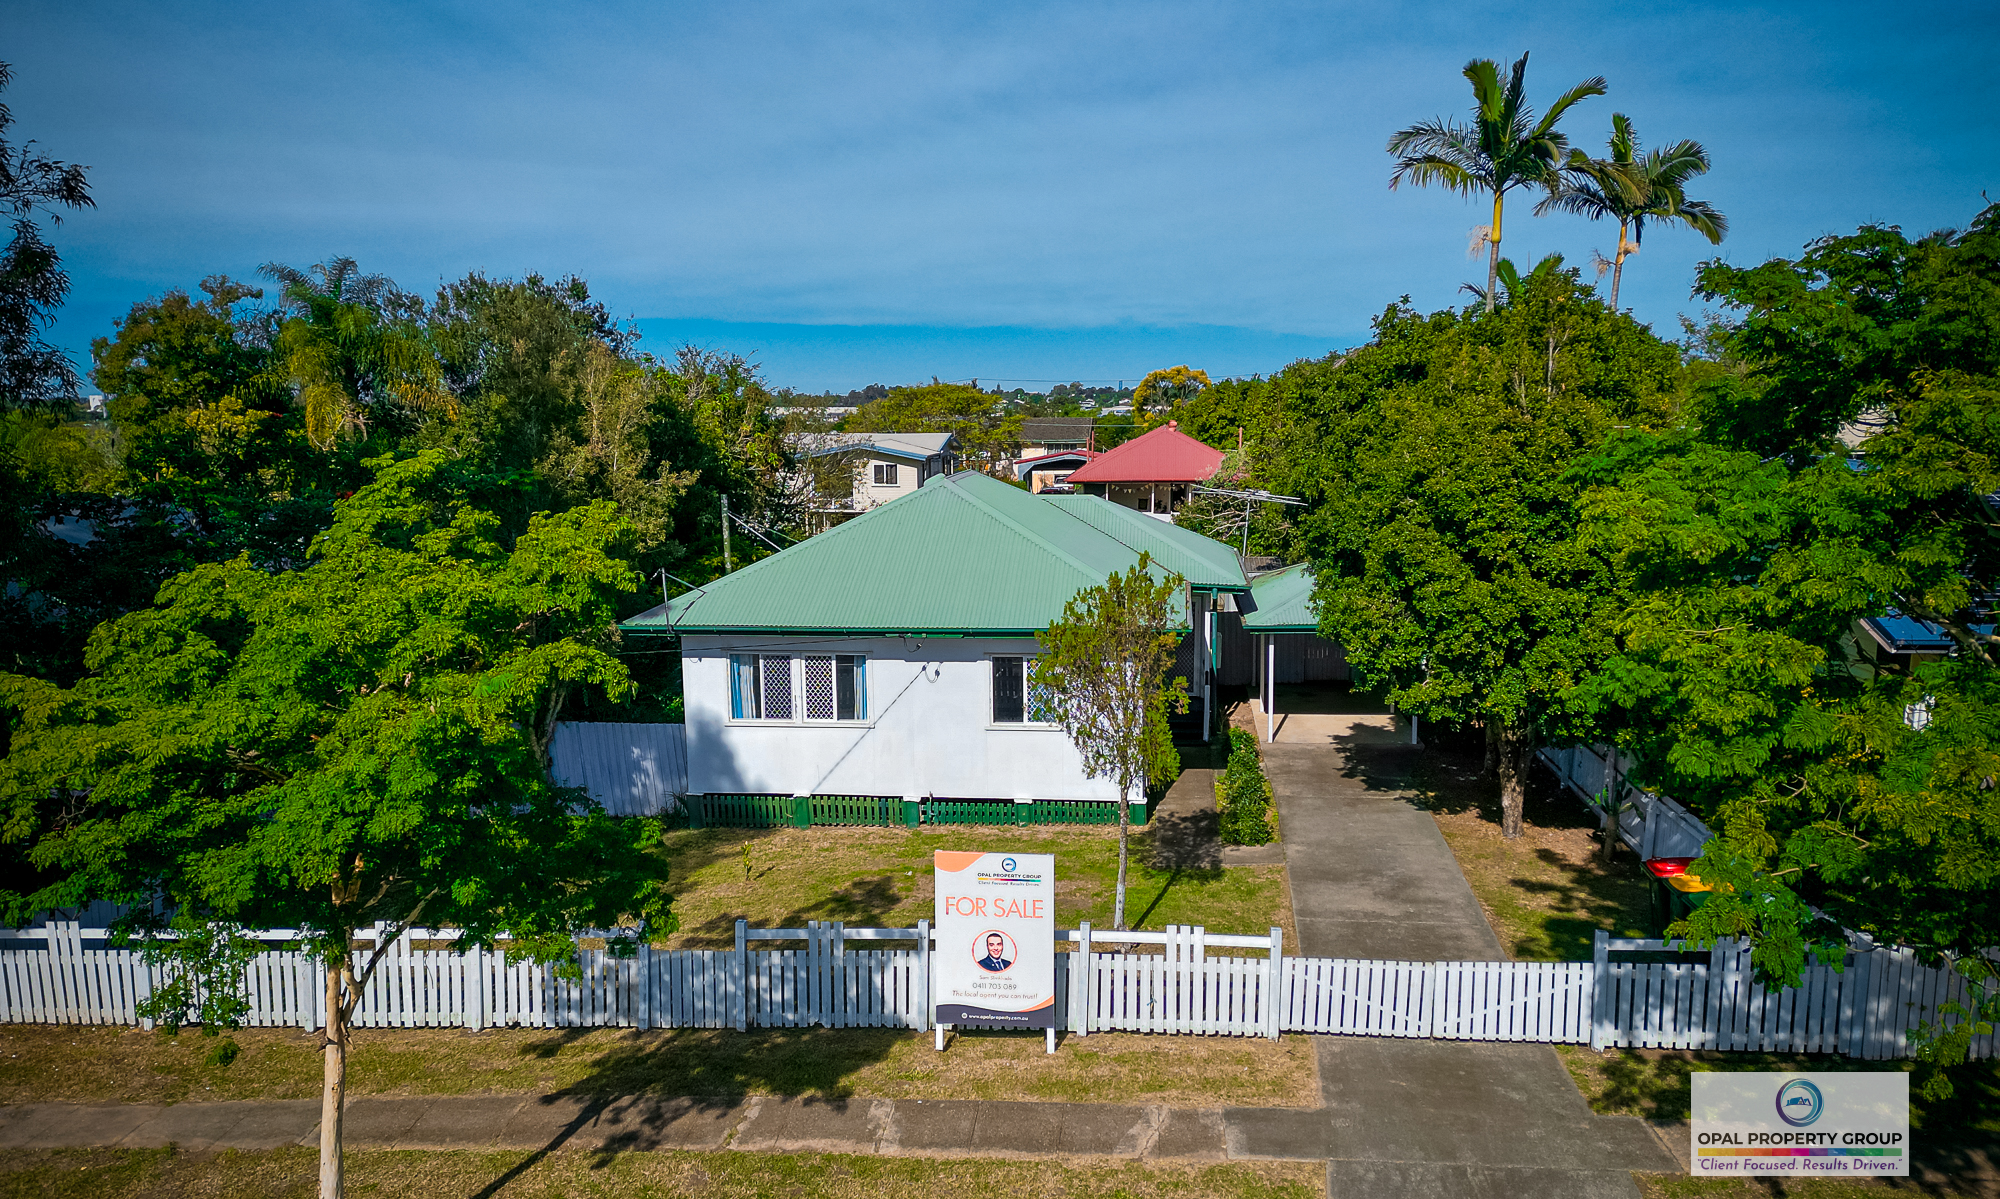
x: 1284, y: 626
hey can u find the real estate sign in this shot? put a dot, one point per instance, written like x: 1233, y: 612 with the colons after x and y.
x: 995, y: 961
x: 1756, y: 1124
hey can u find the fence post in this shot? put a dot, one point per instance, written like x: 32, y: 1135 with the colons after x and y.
x: 1080, y: 972
x: 645, y: 958
x: 142, y: 985
x: 1600, y: 1002
x: 742, y: 975
x: 1274, y: 985
x: 802, y: 811
x: 475, y: 964
x: 923, y: 974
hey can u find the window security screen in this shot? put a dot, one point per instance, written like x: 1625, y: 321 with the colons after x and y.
x: 836, y: 687
x: 1008, y: 692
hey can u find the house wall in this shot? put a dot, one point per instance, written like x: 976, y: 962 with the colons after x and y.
x: 910, y: 475
x: 928, y: 731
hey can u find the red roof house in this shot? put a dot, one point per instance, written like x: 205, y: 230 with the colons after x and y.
x: 1151, y: 472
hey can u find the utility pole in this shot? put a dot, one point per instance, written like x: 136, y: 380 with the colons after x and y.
x: 728, y: 563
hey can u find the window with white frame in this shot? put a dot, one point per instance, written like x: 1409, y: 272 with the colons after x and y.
x: 1017, y: 698
x: 829, y: 687
x: 836, y: 686
x: 885, y: 474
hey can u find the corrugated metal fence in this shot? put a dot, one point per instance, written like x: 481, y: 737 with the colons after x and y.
x: 1634, y: 993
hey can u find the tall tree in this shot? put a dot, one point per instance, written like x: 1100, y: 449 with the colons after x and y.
x: 1102, y: 675
x: 1632, y: 189
x: 1167, y: 388
x: 1843, y: 469
x: 986, y: 431
x: 364, y: 739
x: 33, y: 373
x: 1443, y: 457
x: 353, y: 352
x: 1503, y: 148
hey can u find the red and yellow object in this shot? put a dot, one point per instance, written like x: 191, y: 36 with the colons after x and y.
x: 1675, y: 872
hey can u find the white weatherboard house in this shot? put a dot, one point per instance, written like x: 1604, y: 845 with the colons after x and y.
x: 885, y: 466
x: 887, y: 656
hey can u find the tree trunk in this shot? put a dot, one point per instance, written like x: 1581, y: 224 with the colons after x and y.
x: 1517, y: 747
x: 333, y: 1096
x: 1617, y: 266
x: 1491, y: 769
x: 1493, y: 255
x: 1124, y: 832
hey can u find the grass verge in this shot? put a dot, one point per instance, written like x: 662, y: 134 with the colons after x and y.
x: 1545, y: 894
x: 881, y: 877
x: 128, y: 1174
x: 40, y: 1064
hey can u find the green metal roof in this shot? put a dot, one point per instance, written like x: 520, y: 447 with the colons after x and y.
x: 964, y: 554
x: 1284, y: 602
x: 1202, y: 561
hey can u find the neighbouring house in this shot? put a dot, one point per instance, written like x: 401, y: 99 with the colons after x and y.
x: 888, y: 657
x: 1052, y: 447
x: 870, y: 469
x: 1152, y: 473
x: 1051, y: 471
x: 1049, y: 434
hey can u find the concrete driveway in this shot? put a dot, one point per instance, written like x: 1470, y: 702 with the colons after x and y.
x: 1371, y: 877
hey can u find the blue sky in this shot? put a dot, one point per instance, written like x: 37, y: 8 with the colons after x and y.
x: 885, y: 192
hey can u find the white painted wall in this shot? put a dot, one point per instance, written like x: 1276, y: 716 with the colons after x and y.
x: 928, y: 732
x: 868, y: 493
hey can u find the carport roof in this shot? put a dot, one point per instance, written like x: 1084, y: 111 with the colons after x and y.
x: 1284, y: 602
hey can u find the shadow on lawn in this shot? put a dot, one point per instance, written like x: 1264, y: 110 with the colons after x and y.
x: 642, y: 1093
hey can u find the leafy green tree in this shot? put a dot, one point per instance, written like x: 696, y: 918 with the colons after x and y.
x: 986, y: 431
x: 1850, y: 788
x: 33, y: 373
x: 1443, y: 457
x: 1503, y: 148
x: 1102, y: 674
x: 1632, y: 189
x: 1168, y: 388
x: 364, y: 739
x: 354, y: 353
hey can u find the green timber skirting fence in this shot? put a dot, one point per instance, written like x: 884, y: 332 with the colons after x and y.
x: 887, y: 811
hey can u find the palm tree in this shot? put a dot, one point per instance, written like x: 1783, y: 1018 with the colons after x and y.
x: 1633, y: 189
x: 345, y: 348
x: 1512, y: 282
x: 1503, y: 148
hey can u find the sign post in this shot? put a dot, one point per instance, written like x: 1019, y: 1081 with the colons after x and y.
x: 1760, y: 1123
x: 995, y: 961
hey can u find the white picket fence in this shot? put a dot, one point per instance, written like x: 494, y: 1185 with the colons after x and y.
x: 836, y: 977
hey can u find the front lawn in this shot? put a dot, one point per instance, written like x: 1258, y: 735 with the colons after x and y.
x: 43, y: 1064
x: 1545, y: 894
x: 881, y: 877
x: 131, y: 1173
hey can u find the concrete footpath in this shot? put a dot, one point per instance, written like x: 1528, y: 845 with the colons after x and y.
x: 1372, y: 877
x: 948, y: 1128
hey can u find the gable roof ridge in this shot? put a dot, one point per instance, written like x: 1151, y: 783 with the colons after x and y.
x: 991, y: 510
x: 1150, y: 555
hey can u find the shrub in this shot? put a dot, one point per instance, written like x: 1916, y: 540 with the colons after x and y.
x: 1243, y: 795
